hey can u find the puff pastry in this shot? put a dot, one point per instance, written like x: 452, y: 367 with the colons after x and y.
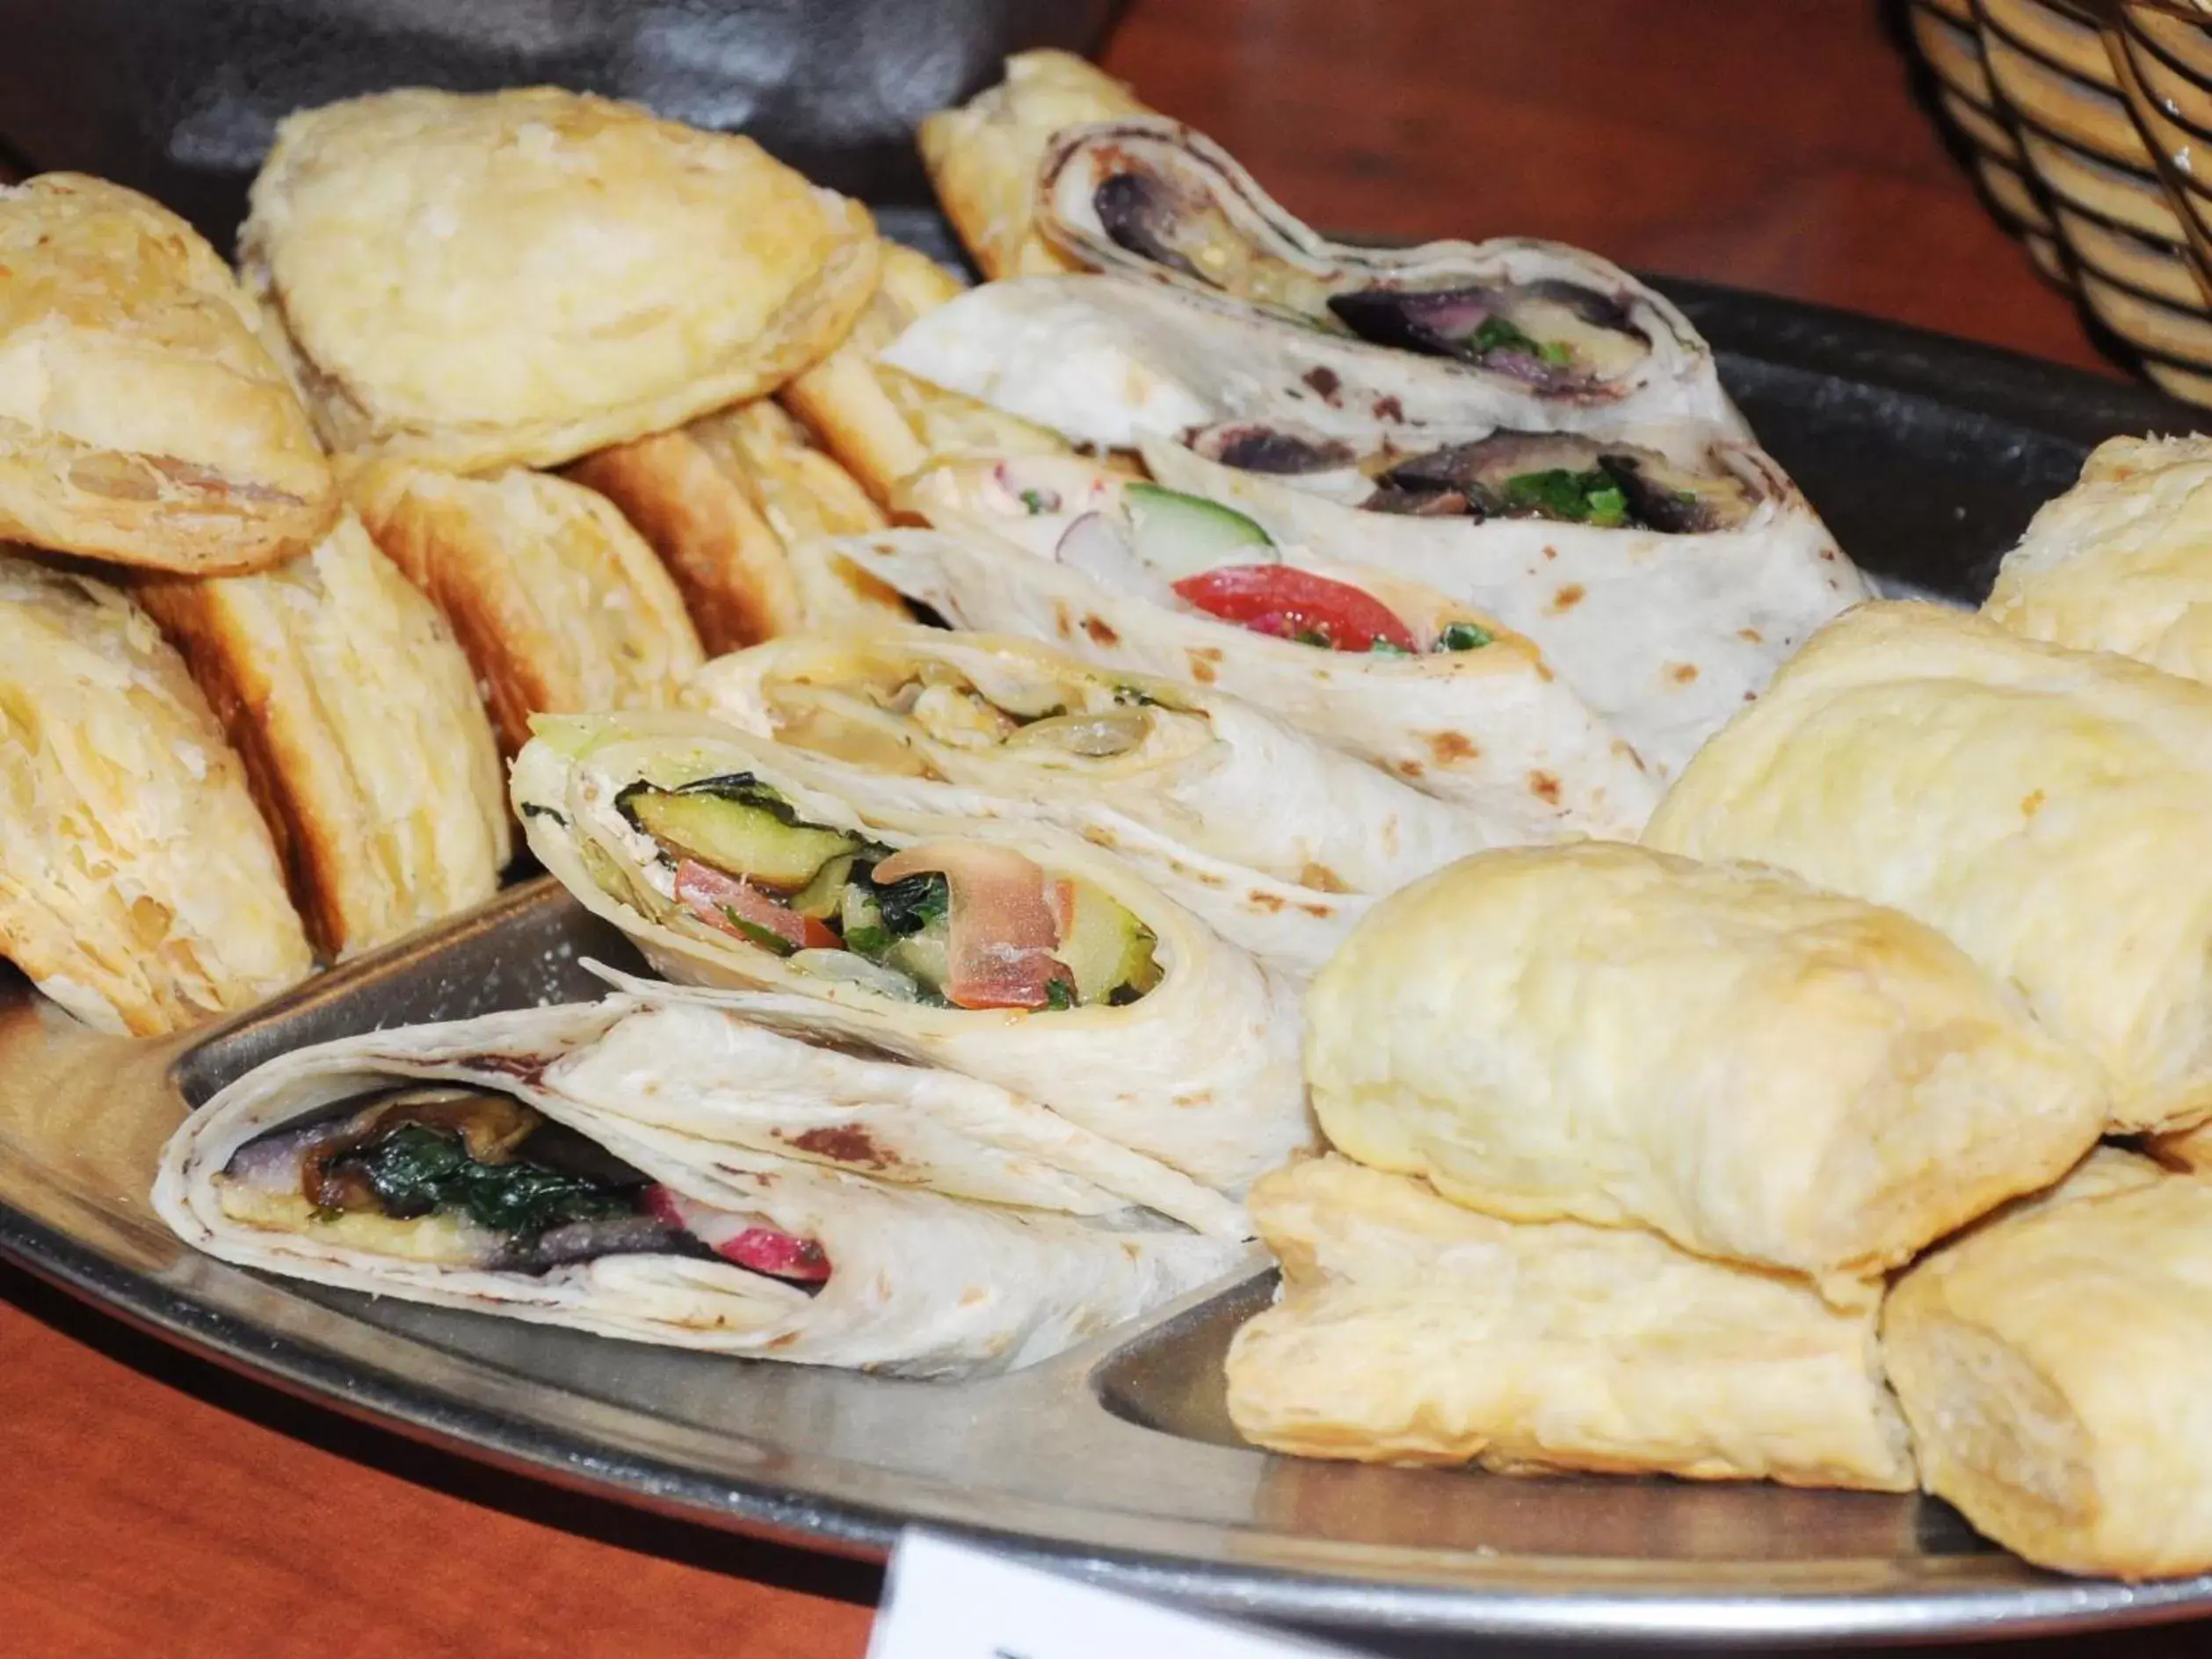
x: 138, y: 886
x: 558, y: 603
x: 1757, y: 1070
x: 885, y: 426
x: 358, y: 720
x: 141, y: 420
x: 2123, y: 560
x: 2047, y: 808
x: 983, y: 156
x: 2056, y: 1366
x: 522, y: 276
x: 1412, y: 1330
x: 722, y: 500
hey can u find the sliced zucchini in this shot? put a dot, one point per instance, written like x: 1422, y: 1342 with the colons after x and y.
x: 823, y: 897
x: 1106, y: 947
x: 1179, y: 535
x: 743, y: 838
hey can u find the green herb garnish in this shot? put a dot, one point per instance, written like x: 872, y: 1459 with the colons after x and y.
x: 1499, y: 334
x: 911, y: 905
x: 1036, y: 500
x: 870, y: 942
x: 1380, y: 646
x: 1312, y: 636
x: 1059, y: 994
x: 1464, y: 636
x: 766, y: 938
x: 415, y: 1169
x: 1592, y: 497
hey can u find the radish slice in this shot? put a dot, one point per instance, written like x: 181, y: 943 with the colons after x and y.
x: 1002, y: 927
x: 723, y: 900
x: 745, y: 1240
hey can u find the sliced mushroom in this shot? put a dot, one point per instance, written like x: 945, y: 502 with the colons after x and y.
x: 1148, y: 218
x: 1251, y: 447
x: 1554, y: 334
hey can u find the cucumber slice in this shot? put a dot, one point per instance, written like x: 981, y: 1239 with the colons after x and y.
x: 1106, y: 947
x: 926, y: 955
x: 744, y: 838
x: 1179, y: 535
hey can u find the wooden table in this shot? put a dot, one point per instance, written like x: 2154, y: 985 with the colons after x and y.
x: 157, y: 1505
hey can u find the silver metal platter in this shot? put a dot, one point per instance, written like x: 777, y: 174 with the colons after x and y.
x: 1115, y: 1461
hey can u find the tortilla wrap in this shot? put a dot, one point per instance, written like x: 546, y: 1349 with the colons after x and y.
x: 918, y: 1281
x: 1189, y: 219
x: 1273, y: 839
x: 1201, y: 1070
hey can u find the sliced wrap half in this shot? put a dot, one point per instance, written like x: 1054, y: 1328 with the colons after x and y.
x: 667, y: 1173
x: 1666, y: 575
x: 1014, y: 953
x: 1275, y: 839
x: 1438, y: 691
x: 1515, y: 331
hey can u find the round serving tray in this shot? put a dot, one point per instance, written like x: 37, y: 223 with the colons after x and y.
x: 1115, y: 1461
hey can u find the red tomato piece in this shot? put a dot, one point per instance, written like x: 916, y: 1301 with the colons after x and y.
x: 1003, y: 928
x: 723, y: 900
x: 1289, y: 604
x: 747, y: 1241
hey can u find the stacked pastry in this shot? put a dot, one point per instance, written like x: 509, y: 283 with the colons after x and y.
x: 1789, y: 1168
x: 147, y: 427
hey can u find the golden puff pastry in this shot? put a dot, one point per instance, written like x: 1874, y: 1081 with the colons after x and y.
x: 2056, y: 1366
x: 1409, y: 1329
x: 1759, y: 1071
x: 2123, y: 561
x: 2049, y: 809
x: 884, y: 424
x: 141, y: 420
x: 521, y: 276
x: 138, y: 886
x: 358, y: 720
x: 983, y: 156
x: 558, y: 604
x: 722, y: 500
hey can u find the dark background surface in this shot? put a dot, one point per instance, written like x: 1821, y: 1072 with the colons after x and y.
x: 157, y: 1505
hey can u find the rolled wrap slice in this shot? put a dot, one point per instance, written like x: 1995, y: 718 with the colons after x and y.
x: 1442, y: 694
x: 1270, y: 838
x: 1519, y: 328
x: 2044, y: 807
x: 2123, y: 561
x: 2055, y: 1366
x: 598, y: 1167
x: 1410, y: 1330
x: 1757, y: 1070
x: 1666, y: 576
x: 1012, y: 953
x: 1110, y: 363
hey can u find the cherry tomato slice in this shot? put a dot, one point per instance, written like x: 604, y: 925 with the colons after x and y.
x: 1290, y: 604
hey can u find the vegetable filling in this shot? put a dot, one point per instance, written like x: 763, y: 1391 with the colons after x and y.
x: 466, y: 1177
x: 948, y: 924
x: 1567, y: 479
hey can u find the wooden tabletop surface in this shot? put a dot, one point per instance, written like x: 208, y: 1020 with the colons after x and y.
x: 158, y: 1505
